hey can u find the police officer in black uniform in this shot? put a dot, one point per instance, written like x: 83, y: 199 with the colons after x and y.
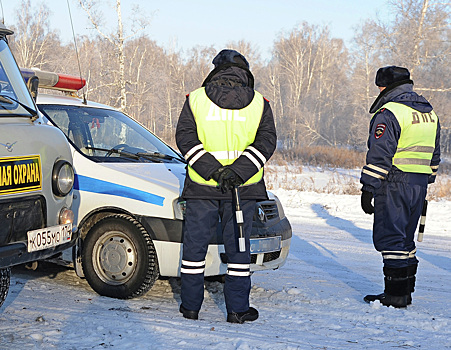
x: 226, y: 133
x: 403, y: 158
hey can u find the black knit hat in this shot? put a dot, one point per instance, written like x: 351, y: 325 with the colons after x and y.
x: 230, y: 56
x: 389, y: 75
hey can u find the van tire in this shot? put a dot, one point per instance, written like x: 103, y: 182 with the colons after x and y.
x: 119, y: 259
x: 5, y: 276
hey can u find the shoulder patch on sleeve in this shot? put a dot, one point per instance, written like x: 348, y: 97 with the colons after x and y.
x: 380, y: 129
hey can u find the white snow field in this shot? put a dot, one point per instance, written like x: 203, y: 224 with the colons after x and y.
x: 313, y: 302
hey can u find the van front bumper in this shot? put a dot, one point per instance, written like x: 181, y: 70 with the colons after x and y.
x: 16, y: 253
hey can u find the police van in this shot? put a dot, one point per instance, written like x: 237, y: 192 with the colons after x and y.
x: 36, y: 176
x: 127, y: 201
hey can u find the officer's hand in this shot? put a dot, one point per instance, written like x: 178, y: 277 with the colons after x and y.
x: 365, y: 202
x: 217, y: 177
x: 217, y: 173
x: 228, y: 179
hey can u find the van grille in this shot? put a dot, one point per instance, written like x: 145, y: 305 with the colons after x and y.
x: 19, y: 216
x: 270, y: 209
x: 267, y: 257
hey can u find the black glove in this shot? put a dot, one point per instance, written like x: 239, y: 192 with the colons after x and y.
x: 217, y: 173
x: 228, y: 179
x: 365, y: 202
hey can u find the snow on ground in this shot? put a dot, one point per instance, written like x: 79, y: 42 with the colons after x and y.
x: 313, y: 302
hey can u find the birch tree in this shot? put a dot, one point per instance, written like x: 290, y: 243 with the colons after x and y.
x: 117, y: 39
x: 272, y: 89
x: 312, y: 75
x: 33, y: 39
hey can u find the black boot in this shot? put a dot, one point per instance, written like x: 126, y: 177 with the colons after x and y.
x: 241, y: 317
x: 396, y: 288
x: 411, y: 272
x: 388, y: 300
x: 190, y: 314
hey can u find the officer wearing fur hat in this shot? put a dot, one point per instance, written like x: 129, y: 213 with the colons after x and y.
x: 403, y: 158
x: 226, y: 133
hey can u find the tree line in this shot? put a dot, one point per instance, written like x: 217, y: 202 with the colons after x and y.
x: 320, y: 90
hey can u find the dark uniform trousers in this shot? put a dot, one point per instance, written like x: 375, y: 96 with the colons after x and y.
x: 398, y: 204
x: 201, y: 220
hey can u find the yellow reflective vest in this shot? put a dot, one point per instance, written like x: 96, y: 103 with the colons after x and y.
x: 416, y: 143
x: 225, y: 133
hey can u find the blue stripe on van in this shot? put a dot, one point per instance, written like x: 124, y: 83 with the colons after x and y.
x: 89, y: 184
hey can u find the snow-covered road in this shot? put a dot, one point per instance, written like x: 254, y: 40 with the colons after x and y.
x: 313, y: 302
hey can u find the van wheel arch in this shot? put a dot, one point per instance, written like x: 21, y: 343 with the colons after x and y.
x: 91, y: 219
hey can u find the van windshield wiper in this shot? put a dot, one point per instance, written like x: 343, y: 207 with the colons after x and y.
x: 155, y: 155
x: 114, y: 150
x: 10, y: 100
x: 159, y: 155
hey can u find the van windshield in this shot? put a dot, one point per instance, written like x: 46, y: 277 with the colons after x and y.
x: 15, y: 100
x: 105, y: 135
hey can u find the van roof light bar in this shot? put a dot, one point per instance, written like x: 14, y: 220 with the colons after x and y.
x: 49, y: 80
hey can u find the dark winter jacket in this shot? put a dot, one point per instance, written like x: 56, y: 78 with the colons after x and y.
x: 382, y: 149
x: 228, y: 88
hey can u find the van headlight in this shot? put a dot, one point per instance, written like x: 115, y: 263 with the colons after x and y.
x: 62, y: 178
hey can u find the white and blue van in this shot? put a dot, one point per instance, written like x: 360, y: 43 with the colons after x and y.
x: 127, y: 201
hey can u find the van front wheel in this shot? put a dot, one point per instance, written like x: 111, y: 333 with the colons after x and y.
x: 118, y: 257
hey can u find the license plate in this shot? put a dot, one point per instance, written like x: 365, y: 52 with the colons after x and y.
x: 49, y: 237
x: 265, y: 245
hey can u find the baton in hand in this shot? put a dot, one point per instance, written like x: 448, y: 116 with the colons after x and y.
x: 422, y: 221
x: 239, y: 218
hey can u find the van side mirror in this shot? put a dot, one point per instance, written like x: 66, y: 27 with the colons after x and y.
x: 33, y: 84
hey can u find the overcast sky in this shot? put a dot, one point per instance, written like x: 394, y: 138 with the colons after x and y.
x: 182, y: 24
